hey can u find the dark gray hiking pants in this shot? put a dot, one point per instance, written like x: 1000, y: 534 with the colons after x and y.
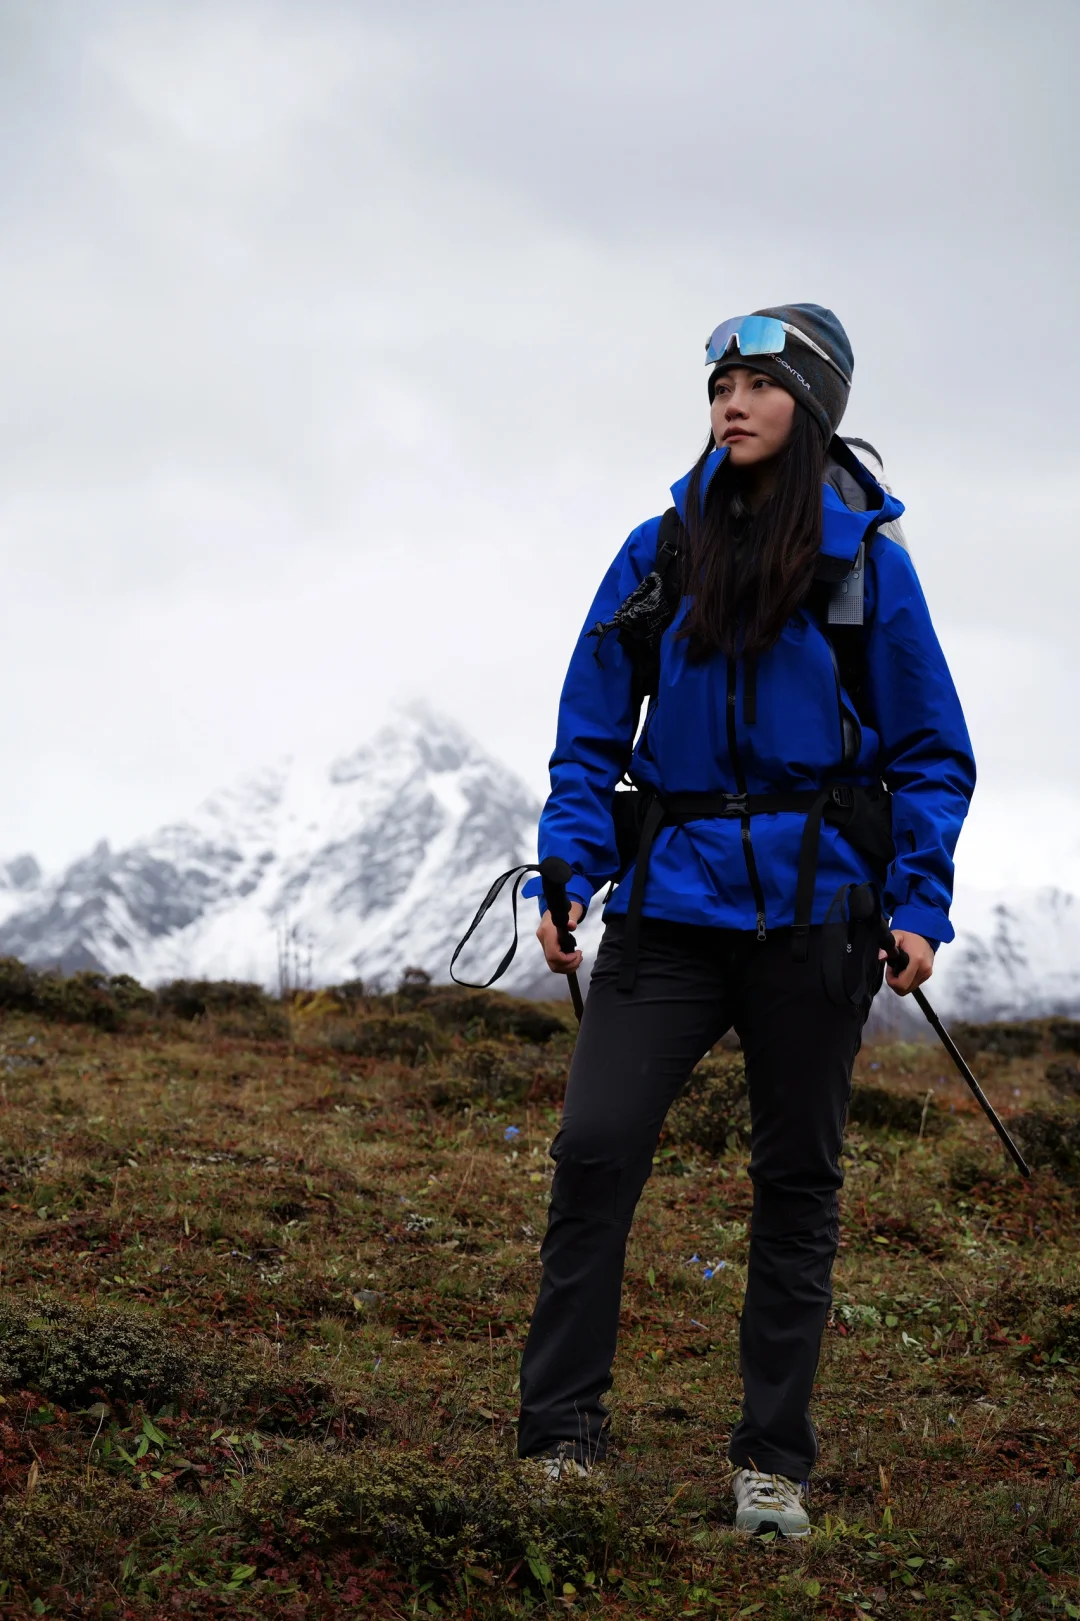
x: 635, y: 1051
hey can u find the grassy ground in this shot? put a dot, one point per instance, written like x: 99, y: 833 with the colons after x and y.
x: 266, y: 1275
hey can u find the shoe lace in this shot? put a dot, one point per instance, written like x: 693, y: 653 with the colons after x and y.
x: 770, y: 1491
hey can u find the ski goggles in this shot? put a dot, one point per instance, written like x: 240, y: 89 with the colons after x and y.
x: 760, y: 335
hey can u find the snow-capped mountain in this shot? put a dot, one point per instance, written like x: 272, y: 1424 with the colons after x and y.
x: 371, y: 865
x: 377, y: 863
x: 20, y: 880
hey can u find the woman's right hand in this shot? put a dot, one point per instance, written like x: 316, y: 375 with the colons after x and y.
x: 559, y: 961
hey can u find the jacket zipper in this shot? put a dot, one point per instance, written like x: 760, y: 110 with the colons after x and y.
x: 740, y: 783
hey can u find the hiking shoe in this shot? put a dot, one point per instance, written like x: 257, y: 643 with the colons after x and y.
x: 560, y: 1464
x: 769, y: 1503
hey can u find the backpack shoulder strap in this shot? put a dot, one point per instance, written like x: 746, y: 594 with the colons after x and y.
x: 840, y: 606
x: 644, y: 616
x: 646, y: 656
x: 667, y: 544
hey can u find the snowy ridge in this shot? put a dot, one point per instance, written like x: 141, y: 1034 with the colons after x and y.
x: 377, y: 862
x: 359, y: 870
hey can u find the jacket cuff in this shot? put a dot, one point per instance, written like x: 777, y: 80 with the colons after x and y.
x: 934, y: 926
x: 579, y: 889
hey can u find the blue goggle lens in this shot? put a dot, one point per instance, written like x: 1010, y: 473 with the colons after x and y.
x: 751, y: 335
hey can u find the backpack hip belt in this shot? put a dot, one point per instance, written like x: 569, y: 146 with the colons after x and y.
x: 863, y: 814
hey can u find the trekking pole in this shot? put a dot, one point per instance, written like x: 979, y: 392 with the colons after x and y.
x: 555, y: 874
x: 898, y: 960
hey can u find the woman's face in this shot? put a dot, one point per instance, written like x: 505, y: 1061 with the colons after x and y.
x: 751, y: 416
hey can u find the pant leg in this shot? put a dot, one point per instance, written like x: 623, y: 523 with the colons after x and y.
x: 800, y: 1049
x: 634, y: 1052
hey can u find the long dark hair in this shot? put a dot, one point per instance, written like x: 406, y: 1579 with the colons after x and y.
x: 746, y: 575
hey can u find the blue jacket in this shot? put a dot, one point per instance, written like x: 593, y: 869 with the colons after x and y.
x: 917, y: 744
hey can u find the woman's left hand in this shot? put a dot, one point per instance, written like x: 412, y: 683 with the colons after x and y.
x: 920, y: 966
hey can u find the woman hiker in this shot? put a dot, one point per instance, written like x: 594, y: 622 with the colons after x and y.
x: 803, y: 762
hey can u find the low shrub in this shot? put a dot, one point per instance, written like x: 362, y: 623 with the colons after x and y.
x: 108, y: 1001
x: 57, y: 1534
x: 1005, y: 1041
x: 1050, y: 1142
x: 16, y: 986
x: 1064, y: 1076
x: 484, y: 1013
x: 71, y: 1353
x: 1047, y: 1313
x: 882, y: 1110
x: 1065, y: 1035
x: 968, y: 1167
x: 82, y: 998
x: 1060, y: 1326
x: 75, y: 1354
x: 712, y: 1112
x: 237, y: 1007
x: 439, y: 1517
x: 407, y: 1037
x: 493, y: 1073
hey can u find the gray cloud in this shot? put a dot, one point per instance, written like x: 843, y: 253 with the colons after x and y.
x: 344, y: 343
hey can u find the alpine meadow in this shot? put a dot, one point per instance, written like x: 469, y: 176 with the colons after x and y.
x: 268, y: 1265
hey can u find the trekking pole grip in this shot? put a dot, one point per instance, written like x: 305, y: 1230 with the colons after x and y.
x: 555, y: 874
x: 896, y: 957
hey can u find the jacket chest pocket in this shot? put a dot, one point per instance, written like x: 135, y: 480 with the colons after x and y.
x: 798, y: 718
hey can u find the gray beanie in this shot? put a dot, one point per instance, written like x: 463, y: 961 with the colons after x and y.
x: 813, y: 382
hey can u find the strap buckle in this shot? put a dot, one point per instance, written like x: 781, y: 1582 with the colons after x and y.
x: 843, y: 796
x: 736, y: 805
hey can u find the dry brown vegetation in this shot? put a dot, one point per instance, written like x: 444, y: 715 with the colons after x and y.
x: 266, y: 1275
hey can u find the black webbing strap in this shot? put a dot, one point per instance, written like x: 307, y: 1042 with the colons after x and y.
x: 749, y: 691
x: 851, y: 905
x: 517, y: 874
x: 675, y: 810
x: 683, y: 808
x: 654, y: 817
x: 806, y: 882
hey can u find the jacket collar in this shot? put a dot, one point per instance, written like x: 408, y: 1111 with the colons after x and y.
x: 843, y: 528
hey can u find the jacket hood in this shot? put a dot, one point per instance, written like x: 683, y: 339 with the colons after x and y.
x: 852, y: 500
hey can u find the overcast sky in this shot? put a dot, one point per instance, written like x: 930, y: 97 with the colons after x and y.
x: 342, y: 343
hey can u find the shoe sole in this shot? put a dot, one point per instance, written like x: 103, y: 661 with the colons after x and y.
x: 766, y: 1524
